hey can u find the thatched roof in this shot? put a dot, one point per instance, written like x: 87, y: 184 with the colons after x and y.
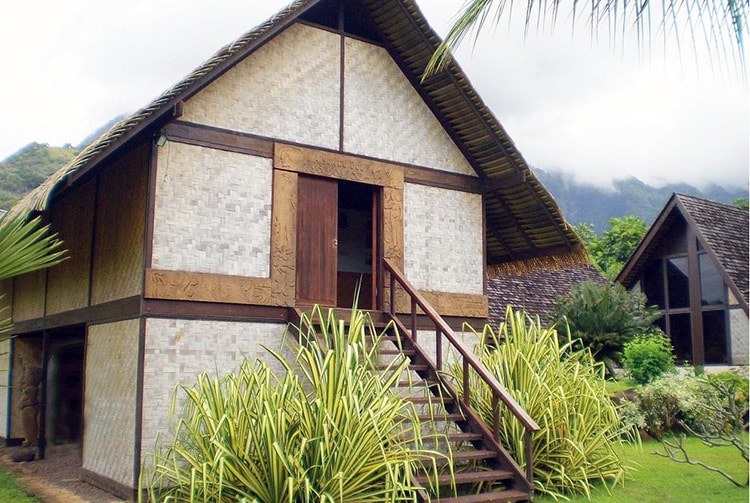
x: 523, y: 220
x: 534, y: 285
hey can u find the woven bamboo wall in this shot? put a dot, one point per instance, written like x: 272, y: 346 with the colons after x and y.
x: 740, y: 343
x: 176, y: 351
x: 28, y: 296
x: 72, y: 216
x: 443, y: 232
x: 120, y: 220
x: 288, y: 89
x: 6, y: 304
x: 111, y: 388
x: 213, y: 212
x: 4, y: 386
x: 384, y: 117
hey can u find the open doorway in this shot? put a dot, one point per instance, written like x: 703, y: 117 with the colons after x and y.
x: 64, y: 385
x: 47, y: 389
x: 357, y: 244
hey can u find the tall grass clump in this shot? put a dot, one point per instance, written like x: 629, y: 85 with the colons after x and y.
x: 563, y: 389
x: 329, y: 430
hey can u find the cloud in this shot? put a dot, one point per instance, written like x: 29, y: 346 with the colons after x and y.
x: 592, y: 111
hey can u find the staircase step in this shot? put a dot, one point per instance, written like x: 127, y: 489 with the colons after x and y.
x: 460, y: 457
x: 455, y: 416
x: 493, y: 497
x: 397, y: 351
x: 429, y: 400
x: 452, y: 437
x: 466, y: 478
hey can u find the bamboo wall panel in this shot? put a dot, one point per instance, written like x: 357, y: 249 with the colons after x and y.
x: 4, y: 386
x: 288, y: 89
x: 740, y: 343
x: 212, y: 212
x: 110, y: 400
x: 6, y: 298
x: 443, y: 236
x: 384, y: 116
x: 176, y: 351
x: 120, y: 221
x: 28, y: 296
x: 72, y: 216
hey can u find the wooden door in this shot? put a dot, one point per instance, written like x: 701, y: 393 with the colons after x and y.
x: 317, y: 227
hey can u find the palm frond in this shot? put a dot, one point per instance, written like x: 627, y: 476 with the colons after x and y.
x: 717, y: 26
x: 27, y: 246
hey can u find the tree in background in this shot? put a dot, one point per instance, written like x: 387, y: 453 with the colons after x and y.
x: 720, y: 26
x: 742, y: 202
x: 605, y: 317
x: 613, y: 248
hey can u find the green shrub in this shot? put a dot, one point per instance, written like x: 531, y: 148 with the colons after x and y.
x: 647, y: 357
x: 605, y: 317
x: 671, y: 400
x: 329, y: 430
x: 564, y: 390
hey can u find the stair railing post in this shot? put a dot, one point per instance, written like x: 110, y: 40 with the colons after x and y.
x: 414, y: 319
x: 529, y: 464
x: 392, y: 306
x: 438, y: 348
x: 496, y: 416
x: 467, y: 393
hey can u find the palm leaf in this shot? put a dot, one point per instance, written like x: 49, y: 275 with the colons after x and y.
x: 27, y: 246
x: 722, y: 25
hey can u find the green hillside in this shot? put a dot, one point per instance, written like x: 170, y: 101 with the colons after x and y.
x: 582, y: 203
x: 29, y: 167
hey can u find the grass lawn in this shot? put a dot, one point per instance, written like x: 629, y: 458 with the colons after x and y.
x: 655, y: 479
x: 9, y: 490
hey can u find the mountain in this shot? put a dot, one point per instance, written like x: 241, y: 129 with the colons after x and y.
x: 29, y: 167
x: 582, y: 203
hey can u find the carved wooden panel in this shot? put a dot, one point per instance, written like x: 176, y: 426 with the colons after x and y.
x: 205, y: 287
x: 448, y: 304
x: 339, y: 166
x: 283, y: 237
x: 393, y: 226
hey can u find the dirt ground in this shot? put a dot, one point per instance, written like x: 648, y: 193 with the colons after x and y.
x: 54, y: 479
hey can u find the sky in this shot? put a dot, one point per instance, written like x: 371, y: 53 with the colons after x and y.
x: 594, y: 110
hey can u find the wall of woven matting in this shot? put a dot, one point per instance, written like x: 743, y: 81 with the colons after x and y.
x: 28, y: 296
x: 288, y: 89
x: 73, y: 218
x: 120, y: 220
x: 384, y: 117
x: 176, y: 351
x: 110, y: 400
x: 740, y: 344
x: 443, y: 232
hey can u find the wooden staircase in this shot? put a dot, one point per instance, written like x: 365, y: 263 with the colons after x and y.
x: 483, y: 471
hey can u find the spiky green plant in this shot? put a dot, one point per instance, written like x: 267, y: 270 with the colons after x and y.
x: 563, y: 389
x: 329, y: 430
x: 26, y: 246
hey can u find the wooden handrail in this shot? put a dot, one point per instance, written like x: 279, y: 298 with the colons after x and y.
x: 469, y: 360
